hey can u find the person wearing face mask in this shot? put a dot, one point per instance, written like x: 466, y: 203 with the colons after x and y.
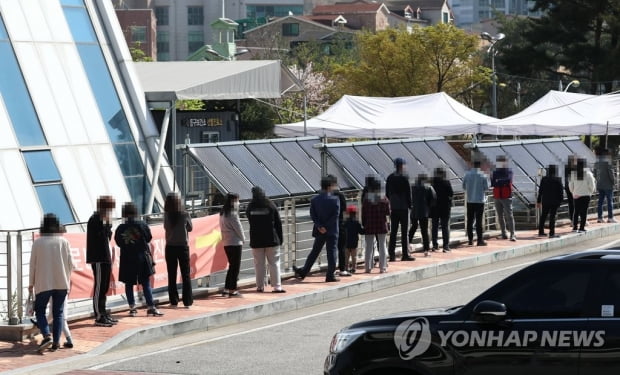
x: 232, y: 239
x: 475, y: 184
x: 605, y: 182
x: 375, y: 211
x: 501, y: 181
x: 177, y: 224
x: 98, y: 235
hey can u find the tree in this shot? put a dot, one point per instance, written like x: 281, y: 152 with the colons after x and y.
x: 395, y: 62
x: 574, y: 38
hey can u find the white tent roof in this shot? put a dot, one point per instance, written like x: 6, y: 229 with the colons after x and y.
x: 372, y: 117
x: 213, y: 80
x: 560, y: 113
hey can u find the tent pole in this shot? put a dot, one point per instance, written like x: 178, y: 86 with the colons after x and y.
x: 305, y: 114
x: 606, y: 133
x: 160, y: 156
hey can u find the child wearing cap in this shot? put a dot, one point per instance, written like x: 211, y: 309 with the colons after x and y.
x: 353, y: 229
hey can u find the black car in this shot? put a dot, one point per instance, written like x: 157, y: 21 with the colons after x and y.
x: 558, y: 316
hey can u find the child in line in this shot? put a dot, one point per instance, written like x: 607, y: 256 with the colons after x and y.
x: 353, y: 229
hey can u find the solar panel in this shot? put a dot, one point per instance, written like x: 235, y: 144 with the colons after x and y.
x: 448, y: 155
x: 254, y: 170
x: 519, y: 155
x: 380, y: 161
x: 280, y: 168
x: 343, y: 181
x: 397, y: 150
x: 347, y: 158
x: 559, y: 149
x: 581, y: 150
x: 222, y: 172
x: 431, y: 160
x: 301, y: 161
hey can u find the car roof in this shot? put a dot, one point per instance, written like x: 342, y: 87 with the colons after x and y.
x: 606, y: 254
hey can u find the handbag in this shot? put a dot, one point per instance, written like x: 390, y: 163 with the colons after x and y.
x: 149, y: 259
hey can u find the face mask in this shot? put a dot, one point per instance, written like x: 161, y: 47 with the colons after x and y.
x: 502, y: 165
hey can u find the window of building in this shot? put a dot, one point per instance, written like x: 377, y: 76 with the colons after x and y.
x: 446, y: 17
x: 162, y: 16
x: 290, y: 29
x: 163, y: 46
x: 209, y: 137
x: 16, y: 98
x: 138, y: 34
x: 257, y: 11
x: 108, y: 101
x: 48, y: 185
x: 195, y: 16
x: 195, y: 40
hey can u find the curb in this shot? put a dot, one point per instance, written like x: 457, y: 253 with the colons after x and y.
x: 215, y: 320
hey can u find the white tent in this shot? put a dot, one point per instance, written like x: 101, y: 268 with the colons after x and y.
x: 560, y: 113
x: 403, y: 117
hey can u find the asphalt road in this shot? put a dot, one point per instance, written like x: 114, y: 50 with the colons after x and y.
x: 297, y: 342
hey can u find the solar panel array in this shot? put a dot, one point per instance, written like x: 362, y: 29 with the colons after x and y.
x: 529, y: 157
x: 286, y: 167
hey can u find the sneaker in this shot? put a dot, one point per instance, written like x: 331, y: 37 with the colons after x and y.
x: 554, y: 236
x: 513, y: 238
x: 504, y: 236
x: 298, y: 274
x: 541, y: 234
x: 446, y: 250
x: 111, y: 319
x: 332, y: 280
x: 54, y: 347
x: 345, y: 273
x: 133, y: 312
x: 470, y: 242
x: 46, y: 343
x: 427, y: 254
x: 612, y: 220
x: 582, y: 230
x: 235, y: 294
x: 481, y: 243
x: 103, y: 322
x: 68, y: 345
x: 435, y: 248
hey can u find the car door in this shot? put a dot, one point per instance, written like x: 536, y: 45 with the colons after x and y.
x: 603, y: 356
x: 537, y: 335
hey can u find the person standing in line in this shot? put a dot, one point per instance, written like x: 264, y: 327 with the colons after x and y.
x: 423, y: 199
x: 98, y: 235
x: 375, y: 211
x: 265, y: 239
x: 569, y: 167
x: 133, y: 237
x: 324, y: 211
x: 342, y: 235
x: 50, y: 275
x: 550, y: 196
x: 475, y: 184
x: 353, y: 229
x: 177, y: 224
x: 501, y: 181
x: 398, y: 192
x: 440, y: 212
x: 605, y: 182
x: 232, y: 240
x: 582, y: 185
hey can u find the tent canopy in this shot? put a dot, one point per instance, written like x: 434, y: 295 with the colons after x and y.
x: 402, y: 117
x: 560, y: 113
x: 215, y: 80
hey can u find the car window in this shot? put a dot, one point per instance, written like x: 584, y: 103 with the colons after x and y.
x: 609, y: 300
x: 557, y: 292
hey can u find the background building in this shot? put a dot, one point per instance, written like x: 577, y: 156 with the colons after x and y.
x: 471, y: 12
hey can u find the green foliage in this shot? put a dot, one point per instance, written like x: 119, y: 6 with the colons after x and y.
x: 573, y: 39
x: 257, y: 119
x: 190, y: 105
x: 395, y: 62
x: 137, y: 54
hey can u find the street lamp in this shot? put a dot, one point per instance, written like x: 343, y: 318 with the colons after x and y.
x: 574, y: 82
x: 493, y: 51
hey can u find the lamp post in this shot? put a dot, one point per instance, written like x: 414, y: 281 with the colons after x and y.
x: 493, y: 51
x: 572, y: 83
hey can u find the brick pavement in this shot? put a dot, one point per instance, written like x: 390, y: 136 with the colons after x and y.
x: 86, y: 337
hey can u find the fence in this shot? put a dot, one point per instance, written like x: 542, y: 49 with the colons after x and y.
x: 297, y: 243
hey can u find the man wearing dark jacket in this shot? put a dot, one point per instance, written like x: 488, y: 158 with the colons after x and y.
x: 324, y: 211
x: 98, y: 235
x: 550, y: 195
x: 398, y: 192
x: 440, y: 212
x: 422, y: 198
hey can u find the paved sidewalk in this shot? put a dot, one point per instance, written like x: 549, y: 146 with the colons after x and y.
x: 213, y: 311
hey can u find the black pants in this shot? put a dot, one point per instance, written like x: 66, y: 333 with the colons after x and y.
x: 342, y: 240
x: 571, y: 204
x: 444, y: 220
x: 474, y: 212
x: 550, y: 210
x: 398, y: 217
x: 423, y: 222
x: 233, y: 253
x: 581, y: 212
x: 101, y: 275
x: 178, y: 256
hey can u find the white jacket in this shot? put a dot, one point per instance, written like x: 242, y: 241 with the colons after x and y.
x: 50, y: 263
x: 586, y: 186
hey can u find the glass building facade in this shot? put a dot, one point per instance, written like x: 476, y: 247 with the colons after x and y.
x: 71, y: 128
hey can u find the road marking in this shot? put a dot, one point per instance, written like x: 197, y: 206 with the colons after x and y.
x: 97, y: 367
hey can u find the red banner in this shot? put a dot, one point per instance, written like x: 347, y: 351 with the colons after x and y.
x: 206, y: 256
